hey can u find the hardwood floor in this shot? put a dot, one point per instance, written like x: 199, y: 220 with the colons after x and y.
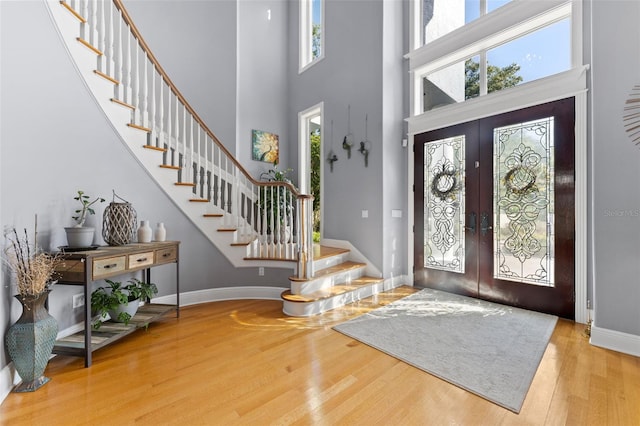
x: 244, y: 362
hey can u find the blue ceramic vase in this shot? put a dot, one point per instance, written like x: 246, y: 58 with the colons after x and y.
x: 30, y: 341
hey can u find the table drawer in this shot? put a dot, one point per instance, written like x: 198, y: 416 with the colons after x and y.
x: 109, y: 266
x: 167, y: 255
x: 140, y: 260
x: 70, y: 270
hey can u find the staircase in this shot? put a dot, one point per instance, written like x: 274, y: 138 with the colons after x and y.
x: 163, y: 132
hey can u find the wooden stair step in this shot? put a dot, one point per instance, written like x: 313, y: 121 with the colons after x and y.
x: 243, y: 241
x: 106, y: 77
x: 192, y: 185
x: 322, y: 252
x: 332, y: 270
x: 124, y: 104
x: 336, y: 290
x: 73, y: 12
x: 155, y: 148
x: 138, y: 127
x: 212, y: 215
x: 89, y: 46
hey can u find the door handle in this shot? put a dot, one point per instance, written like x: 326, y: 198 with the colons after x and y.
x: 472, y: 223
x: 484, y: 224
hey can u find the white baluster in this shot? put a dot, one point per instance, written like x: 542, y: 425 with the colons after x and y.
x: 118, y: 59
x: 152, y: 110
x: 161, y: 114
x: 100, y: 28
x: 128, y: 92
x: 109, y: 48
x: 135, y: 70
x: 144, y: 86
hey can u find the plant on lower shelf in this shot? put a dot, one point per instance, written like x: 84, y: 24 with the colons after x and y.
x: 120, y: 301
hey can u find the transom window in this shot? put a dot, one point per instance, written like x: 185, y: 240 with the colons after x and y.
x: 475, y: 47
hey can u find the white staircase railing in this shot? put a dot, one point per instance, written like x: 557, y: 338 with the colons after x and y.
x: 272, y: 218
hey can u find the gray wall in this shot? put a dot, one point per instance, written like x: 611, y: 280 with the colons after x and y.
x: 185, y: 38
x: 363, y: 68
x: 54, y: 141
x: 616, y: 199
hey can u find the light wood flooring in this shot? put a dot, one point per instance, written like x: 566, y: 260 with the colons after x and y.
x: 244, y: 362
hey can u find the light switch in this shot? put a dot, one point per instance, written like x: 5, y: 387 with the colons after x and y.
x: 365, y: 213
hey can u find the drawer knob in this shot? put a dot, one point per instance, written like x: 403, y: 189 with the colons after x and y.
x: 142, y: 259
x: 112, y: 265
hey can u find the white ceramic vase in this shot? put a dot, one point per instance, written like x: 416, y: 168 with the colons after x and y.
x: 160, y: 233
x: 144, y: 232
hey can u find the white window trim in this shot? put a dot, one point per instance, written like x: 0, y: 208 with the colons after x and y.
x: 305, y: 37
x: 506, y: 23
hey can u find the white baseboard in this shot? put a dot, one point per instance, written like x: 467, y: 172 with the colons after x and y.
x: 225, y: 293
x: 8, y: 378
x: 615, y: 340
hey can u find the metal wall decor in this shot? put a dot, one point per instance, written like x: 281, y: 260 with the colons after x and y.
x: 347, y: 142
x: 523, y: 197
x: 631, y: 115
x: 331, y: 157
x: 444, y: 175
x: 365, y: 145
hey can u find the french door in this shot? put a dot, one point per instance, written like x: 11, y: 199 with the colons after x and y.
x: 494, y: 208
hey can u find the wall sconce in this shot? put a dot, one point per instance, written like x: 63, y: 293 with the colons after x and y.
x: 331, y: 157
x: 347, y: 142
x: 365, y: 145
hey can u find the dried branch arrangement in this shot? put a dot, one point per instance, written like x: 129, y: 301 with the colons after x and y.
x: 33, y: 269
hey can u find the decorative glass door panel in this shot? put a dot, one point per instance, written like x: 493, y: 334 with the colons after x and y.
x: 523, y: 213
x: 494, y: 208
x: 444, y: 218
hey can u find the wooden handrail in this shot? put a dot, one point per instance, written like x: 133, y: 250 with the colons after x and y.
x: 134, y: 30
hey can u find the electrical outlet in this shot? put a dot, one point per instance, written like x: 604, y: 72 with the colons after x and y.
x: 261, y: 271
x: 78, y: 300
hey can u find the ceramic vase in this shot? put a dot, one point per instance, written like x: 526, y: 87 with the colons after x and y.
x: 160, y: 233
x: 30, y: 341
x: 144, y: 232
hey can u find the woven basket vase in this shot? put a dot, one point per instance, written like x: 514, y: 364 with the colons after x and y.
x: 119, y: 224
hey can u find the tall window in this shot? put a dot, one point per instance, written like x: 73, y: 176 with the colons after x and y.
x: 311, y: 32
x: 504, y: 43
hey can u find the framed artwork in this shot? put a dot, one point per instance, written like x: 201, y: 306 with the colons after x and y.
x: 264, y: 146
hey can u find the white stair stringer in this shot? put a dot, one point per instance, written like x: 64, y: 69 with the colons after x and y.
x: 102, y: 91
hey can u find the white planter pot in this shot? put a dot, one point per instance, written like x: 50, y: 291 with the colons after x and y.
x: 131, y: 308
x: 80, y: 236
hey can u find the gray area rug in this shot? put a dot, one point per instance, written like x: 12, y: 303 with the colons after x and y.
x: 489, y: 349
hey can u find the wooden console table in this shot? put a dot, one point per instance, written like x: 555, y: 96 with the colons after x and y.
x: 85, y: 267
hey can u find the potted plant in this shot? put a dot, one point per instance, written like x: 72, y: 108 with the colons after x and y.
x: 29, y: 341
x: 278, y: 202
x: 79, y: 236
x: 121, y: 302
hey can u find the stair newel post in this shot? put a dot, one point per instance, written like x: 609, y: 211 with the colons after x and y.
x: 304, y: 235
